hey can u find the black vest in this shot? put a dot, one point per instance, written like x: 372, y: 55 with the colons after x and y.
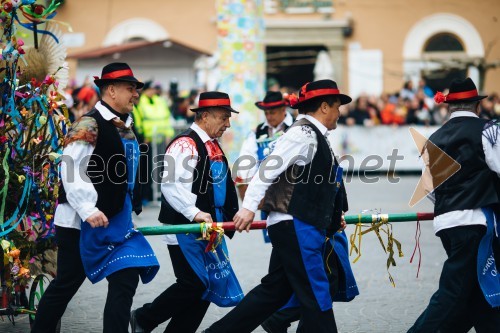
x: 202, y: 187
x: 107, y: 169
x: 264, y: 130
x: 474, y: 185
x: 310, y: 192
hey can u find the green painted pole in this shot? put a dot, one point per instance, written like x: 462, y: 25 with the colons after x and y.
x: 229, y: 226
x: 398, y: 217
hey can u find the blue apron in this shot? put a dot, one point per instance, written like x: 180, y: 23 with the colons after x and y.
x: 348, y: 289
x: 119, y: 246
x: 213, y: 267
x: 313, y: 247
x: 487, y: 269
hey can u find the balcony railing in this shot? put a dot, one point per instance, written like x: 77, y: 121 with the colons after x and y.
x: 298, y: 6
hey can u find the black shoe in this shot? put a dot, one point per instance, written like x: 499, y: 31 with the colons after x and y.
x: 134, y: 325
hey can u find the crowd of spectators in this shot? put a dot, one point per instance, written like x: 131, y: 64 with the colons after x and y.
x: 409, y: 106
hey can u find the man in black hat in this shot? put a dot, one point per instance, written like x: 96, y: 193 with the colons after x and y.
x: 256, y: 146
x: 98, y: 172
x: 303, y: 193
x: 259, y: 143
x: 465, y: 207
x: 197, y: 187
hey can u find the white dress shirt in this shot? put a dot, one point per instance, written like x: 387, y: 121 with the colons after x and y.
x: 249, y: 148
x: 80, y: 192
x: 470, y: 216
x: 177, y: 187
x: 293, y: 147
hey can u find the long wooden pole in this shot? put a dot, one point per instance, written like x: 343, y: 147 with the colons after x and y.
x: 229, y: 226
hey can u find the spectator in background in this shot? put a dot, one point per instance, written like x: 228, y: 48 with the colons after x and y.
x: 152, y: 120
x: 84, y: 98
x: 187, y: 102
x: 425, y: 88
x: 393, y: 112
x: 373, y: 110
x: 273, y: 84
x: 153, y: 116
x: 496, y: 106
x: 486, y: 108
x: 344, y: 118
x: 407, y: 91
x: 360, y: 113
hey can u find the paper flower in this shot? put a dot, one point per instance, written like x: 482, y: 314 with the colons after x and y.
x: 292, y: 100
x: 439, y: 97
x: 32, y: 128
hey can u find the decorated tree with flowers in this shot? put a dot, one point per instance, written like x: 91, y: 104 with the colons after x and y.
x: 33, y: 122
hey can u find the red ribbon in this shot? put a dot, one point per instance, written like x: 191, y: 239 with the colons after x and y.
x: 271, y: 104
x: 118, y: 74
x: 461, y: 95
x: 214, y: 102
x: 320, y: 92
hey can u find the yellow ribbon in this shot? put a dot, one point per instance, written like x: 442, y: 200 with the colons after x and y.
x: 379, y: 224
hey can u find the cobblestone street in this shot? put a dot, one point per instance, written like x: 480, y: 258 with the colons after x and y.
x: 378, y: 308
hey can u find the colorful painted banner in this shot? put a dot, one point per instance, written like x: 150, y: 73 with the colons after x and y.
x: 240, y: 28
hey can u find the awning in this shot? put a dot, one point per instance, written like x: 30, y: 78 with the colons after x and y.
x: 122, y: 48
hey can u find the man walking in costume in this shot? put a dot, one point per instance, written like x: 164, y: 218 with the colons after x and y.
x: 98, y: 172
x: 196, y: 187
x: 258, y: 144
x: 466, y: 218
x: 299, y: 188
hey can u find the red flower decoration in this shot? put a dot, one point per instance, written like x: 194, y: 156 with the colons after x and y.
x: 292, y: 99
x: 303, y: 89
x: 439, y: 97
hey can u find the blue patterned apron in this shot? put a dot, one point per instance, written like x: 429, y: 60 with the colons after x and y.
x: 119, y: 246
x: 487, y: 268
x: 214, y: 267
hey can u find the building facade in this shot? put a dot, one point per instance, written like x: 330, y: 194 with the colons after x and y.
x: 368, y: 46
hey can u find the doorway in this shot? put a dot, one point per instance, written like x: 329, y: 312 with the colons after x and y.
x: 291, y: 66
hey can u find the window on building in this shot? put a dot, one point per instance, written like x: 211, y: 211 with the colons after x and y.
x: 440, y: 49
x: 444, y: 43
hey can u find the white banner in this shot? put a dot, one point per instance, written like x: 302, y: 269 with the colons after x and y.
x: 379, y: 148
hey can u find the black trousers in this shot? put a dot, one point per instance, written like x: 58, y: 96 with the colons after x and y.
x: 288, y: 275
x: 281, y: 320
x: 70, y: 276
x: 459, y: 304
x: 121, y: 290
x: 181, y: 302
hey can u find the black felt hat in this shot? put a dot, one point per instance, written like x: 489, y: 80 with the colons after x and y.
x: 117, y: 72
x: 460, y: 91
x: 273, y: 99
x: 317, y: 89
x: 212, y: 99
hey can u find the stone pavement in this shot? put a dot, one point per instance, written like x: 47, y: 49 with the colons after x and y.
x: 378, y: 308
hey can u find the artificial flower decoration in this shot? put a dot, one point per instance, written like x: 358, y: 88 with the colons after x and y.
x: 439, y: 97
x: 292, y: 99
x: 33, y: 122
